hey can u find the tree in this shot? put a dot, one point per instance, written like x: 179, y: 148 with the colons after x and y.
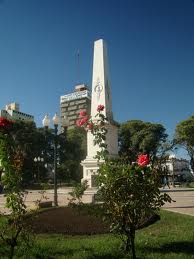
x: 77, y: 136
x: 136, y: 137
x: 72, y: 150
x: 184, y: 136
x: 24, y: 135
x: 32, y: 142
x: 38, y: 142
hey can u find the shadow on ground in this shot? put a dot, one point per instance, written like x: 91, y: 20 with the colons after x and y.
x: 185, y: 247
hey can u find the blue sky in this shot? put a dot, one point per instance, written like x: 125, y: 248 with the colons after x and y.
x: 150, y: 47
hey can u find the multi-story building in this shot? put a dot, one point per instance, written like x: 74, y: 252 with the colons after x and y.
x: 178, y: 168
x: 72, y: 103
x: 12, y: 112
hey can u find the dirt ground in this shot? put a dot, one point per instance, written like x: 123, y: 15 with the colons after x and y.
x: 67, y: 220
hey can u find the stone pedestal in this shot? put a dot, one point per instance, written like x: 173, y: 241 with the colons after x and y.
x: 90, y: 164
x: 90, y: 170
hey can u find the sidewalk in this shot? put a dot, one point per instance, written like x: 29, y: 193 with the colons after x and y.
x: 184, y: 200
x: 183, y: 197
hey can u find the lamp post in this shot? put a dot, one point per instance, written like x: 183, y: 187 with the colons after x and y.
x: 64, y: 124
x: 38, y: 160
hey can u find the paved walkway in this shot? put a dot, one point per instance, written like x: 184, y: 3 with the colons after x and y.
x: 32, y: 198
x: 183, y: 197
x: 184, y: 200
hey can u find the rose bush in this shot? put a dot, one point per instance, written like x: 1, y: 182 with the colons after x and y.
x: 14, y: 230
x: 98, y: 129
x: 130, y: 192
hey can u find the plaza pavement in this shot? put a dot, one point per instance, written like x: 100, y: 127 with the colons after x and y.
x: 184, y: 200
x: 32, y: 197
x: 183, y: 197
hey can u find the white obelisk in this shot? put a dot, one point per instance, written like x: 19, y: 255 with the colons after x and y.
x: 101, y: 94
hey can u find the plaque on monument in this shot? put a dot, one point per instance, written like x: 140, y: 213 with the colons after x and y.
x: 93, y: 181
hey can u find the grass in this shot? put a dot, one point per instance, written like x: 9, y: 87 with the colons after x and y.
x: 171, y: 237
x: 190, y: 185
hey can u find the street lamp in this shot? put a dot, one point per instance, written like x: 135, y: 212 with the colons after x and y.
x: 46, y: 121
x: 38, y: 160
x: 64, y: 124
x: 56, y: 121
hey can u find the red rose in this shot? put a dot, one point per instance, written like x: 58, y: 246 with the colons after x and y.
x: 90, y: 126
x: 100, y: 107
x: 82, y: 121
x: 4, y: 123
x: 78, y: 123
x: 143, y: 160
x: 82, y: 113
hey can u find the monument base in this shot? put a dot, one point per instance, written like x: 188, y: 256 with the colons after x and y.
x: 89, y: 195
x: 90, y: 171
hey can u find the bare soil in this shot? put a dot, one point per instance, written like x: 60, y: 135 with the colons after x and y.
x: 67, y: 220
